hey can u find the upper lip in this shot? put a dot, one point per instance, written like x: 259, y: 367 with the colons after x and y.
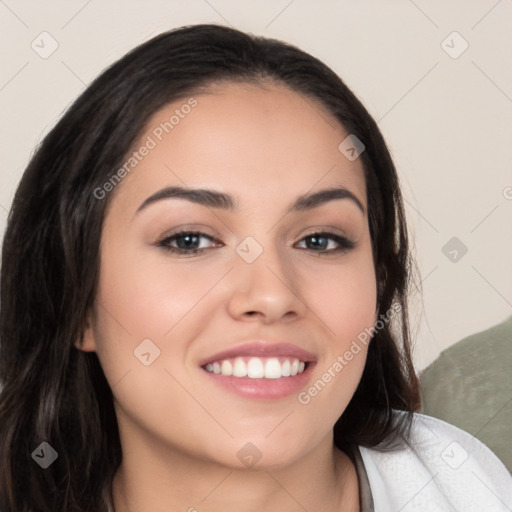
x: 261, y: 348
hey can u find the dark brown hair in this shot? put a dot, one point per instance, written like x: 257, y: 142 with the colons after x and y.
x: 53, y: 392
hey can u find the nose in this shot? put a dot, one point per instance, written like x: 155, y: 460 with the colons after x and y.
x: 266, y: 291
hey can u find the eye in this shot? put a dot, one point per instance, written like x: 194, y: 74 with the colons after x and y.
x: 326, y: 242
x: 194, y: 242
x: 187, y: 242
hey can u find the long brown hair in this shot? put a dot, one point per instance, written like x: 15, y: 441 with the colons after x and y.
x: 53, y: 392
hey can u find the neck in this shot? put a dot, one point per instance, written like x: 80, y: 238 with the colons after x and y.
x: 156, y: 479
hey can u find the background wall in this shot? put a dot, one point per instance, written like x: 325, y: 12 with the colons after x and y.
x: 436, y: 76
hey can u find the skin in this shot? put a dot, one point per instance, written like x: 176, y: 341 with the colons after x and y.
x: 180, y: 434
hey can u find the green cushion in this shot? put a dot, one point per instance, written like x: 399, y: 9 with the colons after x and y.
x: 470, y: 386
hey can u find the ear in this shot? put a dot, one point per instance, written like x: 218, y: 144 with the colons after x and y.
x: 88, y: 341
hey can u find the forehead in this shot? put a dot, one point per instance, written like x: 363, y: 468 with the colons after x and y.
x: 245, y: 140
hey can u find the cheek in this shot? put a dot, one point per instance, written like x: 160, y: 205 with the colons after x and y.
x: 144, y: 298
x: 140, y: 301
x: 344, y: 297
x: 149, y: 297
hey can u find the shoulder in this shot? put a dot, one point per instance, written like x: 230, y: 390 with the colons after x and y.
x: 439, y: 468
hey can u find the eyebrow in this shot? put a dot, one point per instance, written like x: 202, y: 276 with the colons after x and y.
x: 214, y: 199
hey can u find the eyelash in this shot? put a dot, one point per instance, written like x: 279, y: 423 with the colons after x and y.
x: 344, y: 244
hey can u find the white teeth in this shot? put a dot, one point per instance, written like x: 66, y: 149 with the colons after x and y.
x: 273, y: 369
x: 226, y: 368
x: 257, y: 368
x: 239, y: 368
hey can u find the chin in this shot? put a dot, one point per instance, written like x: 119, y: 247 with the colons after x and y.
x: 260, y: 453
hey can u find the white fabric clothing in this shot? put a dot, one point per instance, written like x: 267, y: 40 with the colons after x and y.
x: 442, y: 469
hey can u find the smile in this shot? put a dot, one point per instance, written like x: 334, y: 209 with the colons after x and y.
x: 260, y: 369
x: 257, y: 367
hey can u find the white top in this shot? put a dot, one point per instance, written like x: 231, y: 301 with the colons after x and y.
x: 442, y: 469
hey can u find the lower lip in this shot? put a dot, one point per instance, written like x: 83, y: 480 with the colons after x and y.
x: 266, y: 389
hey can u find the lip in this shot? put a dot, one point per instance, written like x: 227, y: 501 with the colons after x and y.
x: 263, y: 389
x: 261, y: 348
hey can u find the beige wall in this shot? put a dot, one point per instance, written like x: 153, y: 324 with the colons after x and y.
x: 447, y: 120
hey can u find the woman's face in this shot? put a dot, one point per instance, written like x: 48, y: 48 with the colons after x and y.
x: 264, y: 281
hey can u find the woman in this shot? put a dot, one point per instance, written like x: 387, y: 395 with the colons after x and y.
x: 204, y: 288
